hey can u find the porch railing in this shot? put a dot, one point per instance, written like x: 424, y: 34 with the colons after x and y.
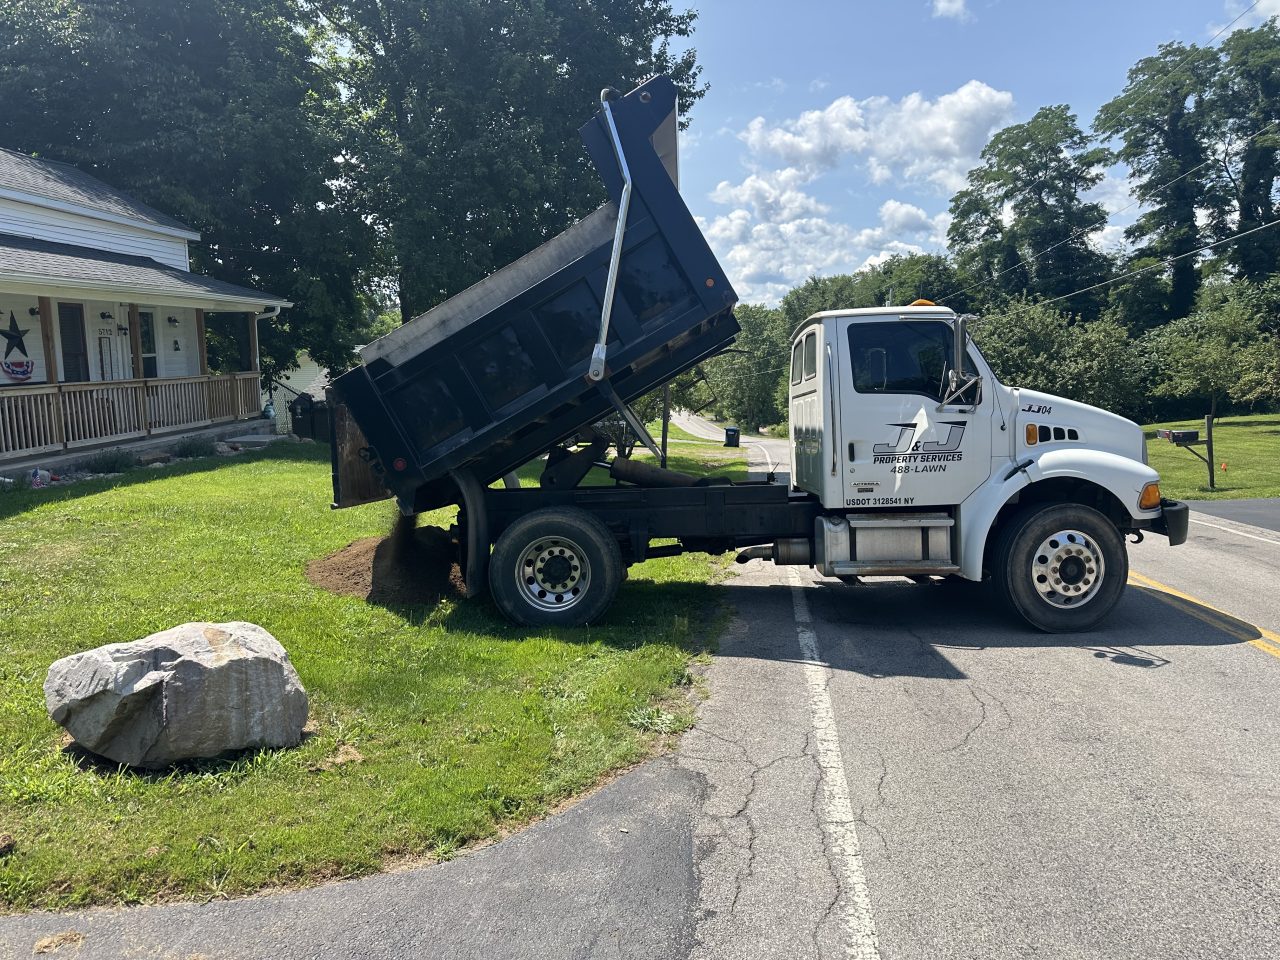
x: 55, y: 417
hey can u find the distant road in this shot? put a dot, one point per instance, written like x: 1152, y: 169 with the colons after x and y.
x: 1260, y: 512
x: 764, y: 454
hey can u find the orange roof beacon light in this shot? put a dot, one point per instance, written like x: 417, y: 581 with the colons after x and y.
x: 921, y: 303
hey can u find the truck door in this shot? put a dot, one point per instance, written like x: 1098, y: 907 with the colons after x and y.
x: 899, y: 449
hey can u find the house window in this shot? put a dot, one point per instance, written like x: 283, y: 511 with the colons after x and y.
x: 147, y: 334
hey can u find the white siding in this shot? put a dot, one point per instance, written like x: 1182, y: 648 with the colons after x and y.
x: 18, y: 305
x: 182, y: 360
x: 28, y: 220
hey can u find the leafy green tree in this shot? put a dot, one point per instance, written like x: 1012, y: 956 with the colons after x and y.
x: 1217, y: 353
x: 466, y: 152
x: 1243, y: 106
x: 745, y: 381
x: 1021, y: 225
x: 1033, y: 345
x: 215, y: 112
x: 1159, y: 120
x: 897, y: 281
x: 1140, y: 302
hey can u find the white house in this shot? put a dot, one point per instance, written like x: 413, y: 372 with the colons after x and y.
x: 102, y: 323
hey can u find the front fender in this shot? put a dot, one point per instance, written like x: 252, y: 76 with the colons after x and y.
x: 1122, y: 477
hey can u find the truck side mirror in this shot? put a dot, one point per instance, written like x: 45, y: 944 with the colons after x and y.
x: 958, y: 380
x: 960, y: 346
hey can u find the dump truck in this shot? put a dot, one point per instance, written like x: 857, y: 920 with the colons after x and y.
x: 909, y: 458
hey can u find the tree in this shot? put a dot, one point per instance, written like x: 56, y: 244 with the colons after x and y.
x: 1035, y: 346
x: 1159, y: 118
x: 1243, y: 106
x: 897, y: 281
x: 215, y: 112
x: 1021, y: 225
x: 466, y: 152
x: 745, y: 382
x: 1219, y: 352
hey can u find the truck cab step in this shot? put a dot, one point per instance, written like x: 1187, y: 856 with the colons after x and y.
x: 892, y: 568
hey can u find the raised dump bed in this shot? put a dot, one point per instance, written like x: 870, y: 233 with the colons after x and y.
x: 502, y: 372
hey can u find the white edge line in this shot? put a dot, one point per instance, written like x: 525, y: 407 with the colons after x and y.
x: 861, y: 940
x: 1238, y: 533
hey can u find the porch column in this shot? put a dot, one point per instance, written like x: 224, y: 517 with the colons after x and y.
x: 202, y: 343
x: 135, y: 341
x: 46, y: 337
x: 51, y: 365
x: 253, y: 343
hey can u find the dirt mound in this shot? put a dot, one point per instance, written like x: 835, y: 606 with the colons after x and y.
x: 409, y: 567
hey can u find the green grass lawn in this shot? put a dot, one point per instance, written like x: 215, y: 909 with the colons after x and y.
x: 452, y: 723
x: 1249, y: 445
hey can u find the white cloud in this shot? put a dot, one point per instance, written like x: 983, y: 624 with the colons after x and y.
x: 776, y: 232
x: 914, y: 139
x: 1265, y: 10
x: 773, y: 196
x: 767, y: 257
x: 955, y: 9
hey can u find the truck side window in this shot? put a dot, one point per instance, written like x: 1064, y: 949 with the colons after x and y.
x: 901, y: 357
x: 811, y: 356
x: 796, y: 375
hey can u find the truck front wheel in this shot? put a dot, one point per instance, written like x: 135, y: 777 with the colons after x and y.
x: 555, y: 567
x: 1061, y: 567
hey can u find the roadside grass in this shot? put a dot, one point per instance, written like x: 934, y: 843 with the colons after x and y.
x: 431, y: 727
x: 1249, y: 445
x: 700, y: 457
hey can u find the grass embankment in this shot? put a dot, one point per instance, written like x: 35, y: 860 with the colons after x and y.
x: 1249, y: 446
x: 432, y: 726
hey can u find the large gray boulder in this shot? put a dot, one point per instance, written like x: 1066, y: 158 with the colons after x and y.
x: 196, y: 690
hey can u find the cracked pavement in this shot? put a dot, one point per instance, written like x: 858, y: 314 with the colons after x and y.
x: 1007, y: 795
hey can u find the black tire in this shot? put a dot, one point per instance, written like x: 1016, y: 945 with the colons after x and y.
x: 555, y: 567
x: 1057, y: 584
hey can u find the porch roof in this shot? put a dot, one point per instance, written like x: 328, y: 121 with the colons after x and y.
x: 42, y: 268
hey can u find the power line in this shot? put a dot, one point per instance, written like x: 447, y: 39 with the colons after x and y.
x: 1154, y: 266
x: 1089, y: 229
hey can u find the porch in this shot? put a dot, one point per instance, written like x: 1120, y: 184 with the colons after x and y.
x: 51, y: 418
x: 101, y: 348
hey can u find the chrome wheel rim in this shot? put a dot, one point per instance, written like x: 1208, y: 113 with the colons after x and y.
x: 553, y: 573
x: 1067, y: 569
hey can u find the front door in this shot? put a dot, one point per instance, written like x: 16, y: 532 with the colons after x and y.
x: 900, y: 449
x: 75, y: 353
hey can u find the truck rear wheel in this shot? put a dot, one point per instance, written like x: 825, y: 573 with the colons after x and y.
x: 1061, y: 567
x: 555, y: 567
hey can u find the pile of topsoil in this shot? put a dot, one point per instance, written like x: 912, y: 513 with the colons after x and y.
x: 408, y: 567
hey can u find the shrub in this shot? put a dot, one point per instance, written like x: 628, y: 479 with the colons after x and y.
x: 190, y: 447
x: 108, y: 461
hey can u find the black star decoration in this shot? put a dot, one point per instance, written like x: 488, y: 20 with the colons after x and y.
x: 14, y: 336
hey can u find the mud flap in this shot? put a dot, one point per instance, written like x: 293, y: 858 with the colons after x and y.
x: 473, y: 521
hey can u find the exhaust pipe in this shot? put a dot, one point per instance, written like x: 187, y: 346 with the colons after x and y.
x: 786, y: 552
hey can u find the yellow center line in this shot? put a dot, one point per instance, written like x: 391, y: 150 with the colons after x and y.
x: 1265, y: 640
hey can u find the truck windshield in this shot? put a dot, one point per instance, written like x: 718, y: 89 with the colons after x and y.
x: 901, y: 357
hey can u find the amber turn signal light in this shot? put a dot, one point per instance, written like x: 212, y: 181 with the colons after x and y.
x: 1150, y: 498
x: 1033, y: 434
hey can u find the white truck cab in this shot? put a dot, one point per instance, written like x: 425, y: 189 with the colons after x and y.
x: 926, y: 467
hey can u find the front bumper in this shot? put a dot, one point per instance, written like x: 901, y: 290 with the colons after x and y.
x: 1172, y: 522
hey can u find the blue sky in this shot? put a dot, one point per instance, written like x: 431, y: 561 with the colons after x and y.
x: 835, y: 132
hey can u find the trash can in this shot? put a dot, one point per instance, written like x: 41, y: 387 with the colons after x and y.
x: 731, y: 436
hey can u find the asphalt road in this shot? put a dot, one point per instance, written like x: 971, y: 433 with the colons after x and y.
x: 1260, y: 512
x: 881, y: 771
